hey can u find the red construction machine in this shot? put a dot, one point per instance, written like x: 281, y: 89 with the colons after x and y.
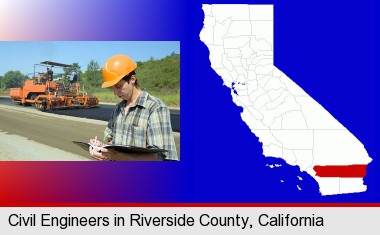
x: 46, y: 93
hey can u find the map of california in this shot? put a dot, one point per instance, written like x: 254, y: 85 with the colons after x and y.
x: 289, y: 123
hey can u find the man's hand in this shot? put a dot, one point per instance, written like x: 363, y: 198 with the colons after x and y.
x: 97, y: 151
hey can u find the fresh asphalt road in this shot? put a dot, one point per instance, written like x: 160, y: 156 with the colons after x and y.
x: 102, y: 113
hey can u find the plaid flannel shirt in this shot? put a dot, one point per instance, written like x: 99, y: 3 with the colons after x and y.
x: 146, y: 124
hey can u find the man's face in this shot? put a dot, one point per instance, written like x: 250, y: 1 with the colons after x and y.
x: 123, y: 90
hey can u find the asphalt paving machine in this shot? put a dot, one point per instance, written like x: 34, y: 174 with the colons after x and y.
x: 44, y: 92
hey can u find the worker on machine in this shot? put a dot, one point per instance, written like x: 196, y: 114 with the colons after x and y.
x: 73, y: 77
x: 48, y: 74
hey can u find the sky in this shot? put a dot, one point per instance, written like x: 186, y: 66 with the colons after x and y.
x: 23, y: 55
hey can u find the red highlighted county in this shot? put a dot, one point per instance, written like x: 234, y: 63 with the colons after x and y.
x: 348, y: 171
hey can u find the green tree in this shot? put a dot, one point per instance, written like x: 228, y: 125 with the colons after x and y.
x: 1, y: 82
x: 94, y: 74
x: 14, y: 79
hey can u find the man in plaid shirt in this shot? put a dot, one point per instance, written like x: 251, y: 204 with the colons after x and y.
x: 139, y: 120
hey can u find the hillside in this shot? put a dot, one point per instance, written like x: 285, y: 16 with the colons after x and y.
x: 160, y: 75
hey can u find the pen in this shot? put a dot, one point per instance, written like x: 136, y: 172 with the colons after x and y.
x: 95, y: 144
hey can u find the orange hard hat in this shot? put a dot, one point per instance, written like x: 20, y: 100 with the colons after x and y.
x: 115, y: 68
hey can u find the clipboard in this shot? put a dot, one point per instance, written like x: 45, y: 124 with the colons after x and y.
x: 122, y: 148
